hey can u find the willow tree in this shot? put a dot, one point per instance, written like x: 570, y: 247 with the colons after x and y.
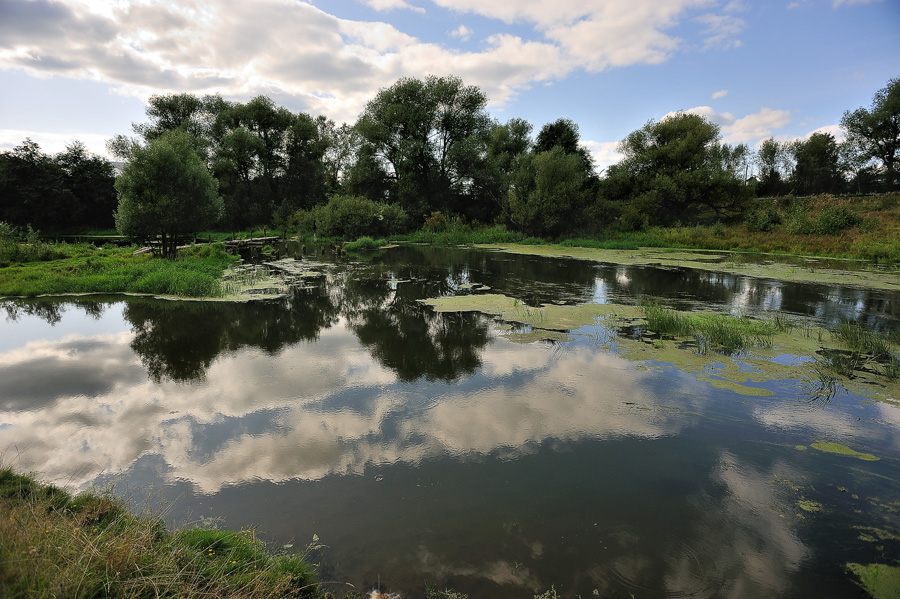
x: 165, y: 192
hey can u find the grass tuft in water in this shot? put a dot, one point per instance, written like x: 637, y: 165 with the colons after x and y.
x: 720, y: 331
x: 54, y: 544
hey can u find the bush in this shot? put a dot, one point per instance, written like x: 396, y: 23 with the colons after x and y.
x: 351, y: 217
x: 834, y: 220
x: 19, y: 246
x: 762, y: 220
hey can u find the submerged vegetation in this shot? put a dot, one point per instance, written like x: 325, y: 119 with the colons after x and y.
x: 55, y: 544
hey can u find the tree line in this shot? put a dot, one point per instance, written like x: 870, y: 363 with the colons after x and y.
x: 424, y: 149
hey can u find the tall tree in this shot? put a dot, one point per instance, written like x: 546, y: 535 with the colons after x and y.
x: 166, y: 191
x: 549, y: 193
x: 90, y: 179
x: 675, y: 170
x: 877, y: 130
x: 431, y: 135
x: 32, y: 189
x: 775, y: 164
x: 817, y: 169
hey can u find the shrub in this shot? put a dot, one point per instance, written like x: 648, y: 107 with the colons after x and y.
x: 351, y: 217
x: 834, y: 220
x: 762, y: 219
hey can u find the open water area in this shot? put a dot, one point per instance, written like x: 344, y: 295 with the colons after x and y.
x: 458, y: 450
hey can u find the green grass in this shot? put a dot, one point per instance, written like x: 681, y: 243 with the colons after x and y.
x: 90, y: 545
x: 85, y: 269
x: 364, y: 244
x: 866, y: 348
x: 713, y: 331
x: 462, y: 234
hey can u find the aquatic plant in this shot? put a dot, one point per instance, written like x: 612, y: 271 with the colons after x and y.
x: 720, y: 331
x: 365, y: 244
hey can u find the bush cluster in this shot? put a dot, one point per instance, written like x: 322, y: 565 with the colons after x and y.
x: 351, y: 217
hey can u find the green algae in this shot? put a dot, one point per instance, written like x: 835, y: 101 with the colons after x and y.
x: 551, y: 317
x: 807, y: 505
x: 881, y: 581
x: 788, y: 354
x: 887, y: 279
x: 831, y: 447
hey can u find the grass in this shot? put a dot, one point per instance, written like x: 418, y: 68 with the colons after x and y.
x: 83, y: 268
x: 867, y: 348
x: 713, y: 331
x: 54, y: 544
x: 365, y: 244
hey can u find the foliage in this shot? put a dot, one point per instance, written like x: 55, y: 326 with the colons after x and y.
x: 762, y: 219
x: 816, y: 167
x: 548, y: 193
x: 350, y: 217
x: 71, y: 189
x: 676, y: 169
x: 165, y: 190
x: 365, y: 244
x: 16, y: 246
x: 457, y: 232
x: 876, y: 131
x: 430, y: 137
x: 91, y: 545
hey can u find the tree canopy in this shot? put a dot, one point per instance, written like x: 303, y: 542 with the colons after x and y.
x: 165, y: 190
x: 676, y: 170
x: 876, y: 131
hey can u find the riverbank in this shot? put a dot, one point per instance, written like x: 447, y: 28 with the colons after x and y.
x: 65, y: 269
x: 55, y: 544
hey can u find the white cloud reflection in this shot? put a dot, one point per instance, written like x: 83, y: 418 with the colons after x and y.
x: 311, y: 411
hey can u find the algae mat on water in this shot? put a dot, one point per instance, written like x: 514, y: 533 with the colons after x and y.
x: 858, y: 274
x: 881, y: 581
x: 790, y: 355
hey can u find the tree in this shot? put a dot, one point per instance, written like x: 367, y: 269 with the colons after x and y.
x: 816, y: 169
x: 430, y: 135
x: 675, y: 170
x: 165, y: 190
x: 877, y: 131
x: 549, y: 193
x: 32, y: 189
x: 90, y: 179
x: 775, y: 165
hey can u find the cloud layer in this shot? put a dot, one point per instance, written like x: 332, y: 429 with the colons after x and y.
x: 330, y: 65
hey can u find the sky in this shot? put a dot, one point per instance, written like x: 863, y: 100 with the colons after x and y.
x: 84, y: 69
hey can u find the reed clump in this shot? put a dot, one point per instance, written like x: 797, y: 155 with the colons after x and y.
x: 55, y: 544
x: 722, y: 332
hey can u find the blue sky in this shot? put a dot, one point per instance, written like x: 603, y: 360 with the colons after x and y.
x: 83, y: 69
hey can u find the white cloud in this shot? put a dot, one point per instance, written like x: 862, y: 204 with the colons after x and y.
x: 52, y: 143
x: 720, y: 31
x: 720, y: 94
x: 838, y: 3
x: 325, y: 64
x: 385, y: 5
x: 462, y: 32
x: 604, y: 153
x: 749, y: 129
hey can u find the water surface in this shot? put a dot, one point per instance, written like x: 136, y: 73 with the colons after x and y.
x: 422, y: 447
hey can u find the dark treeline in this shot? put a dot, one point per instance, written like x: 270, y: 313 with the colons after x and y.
x: 425, y: 150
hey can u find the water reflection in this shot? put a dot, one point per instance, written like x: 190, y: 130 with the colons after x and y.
x: 423, y: 446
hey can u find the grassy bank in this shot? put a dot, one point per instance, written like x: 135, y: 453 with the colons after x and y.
x: 68, y: 268
x: 54, y: 544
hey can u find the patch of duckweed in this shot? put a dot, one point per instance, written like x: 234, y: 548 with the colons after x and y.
x: 808, y: 505
x: 831, y: 447
x: 873, y: 534
x: 551, y: 317
x: 881, y: 581
x: 800, y: 447
x: 760, y: 361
